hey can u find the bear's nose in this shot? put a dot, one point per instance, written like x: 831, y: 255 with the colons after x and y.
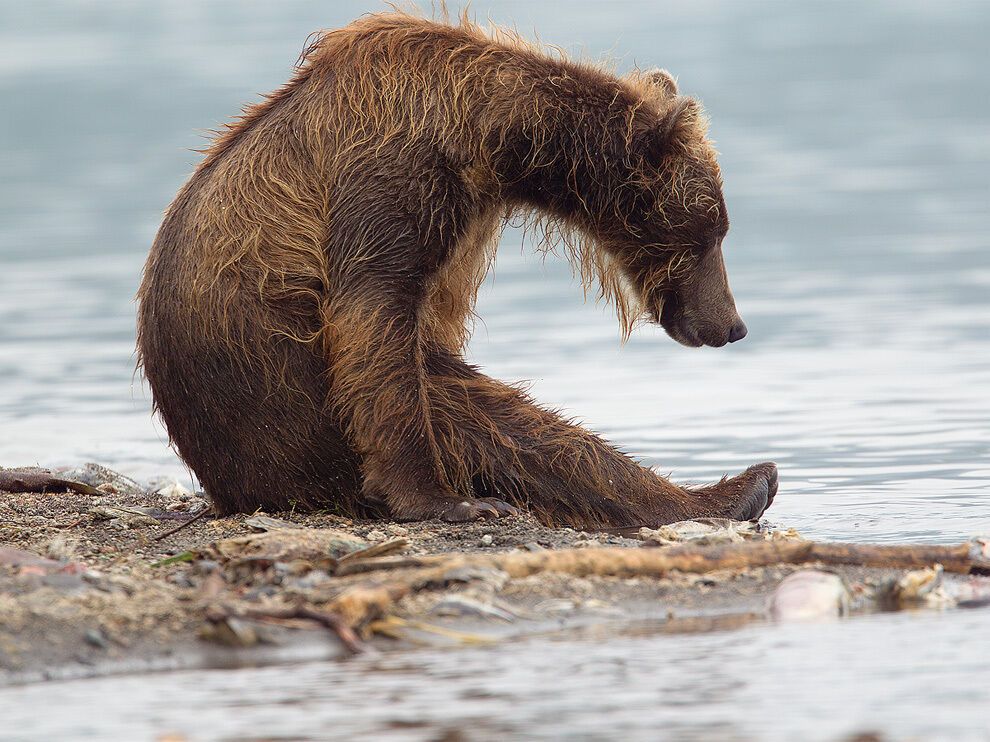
x: 738, y: 331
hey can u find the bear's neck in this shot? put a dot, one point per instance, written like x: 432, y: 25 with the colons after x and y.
x: 565, y: 149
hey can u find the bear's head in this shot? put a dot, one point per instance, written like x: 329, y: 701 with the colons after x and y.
x: 671, y: 220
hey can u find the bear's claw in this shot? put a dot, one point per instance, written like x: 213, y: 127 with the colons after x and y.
x: 504, y: 509
x: 469, y: 510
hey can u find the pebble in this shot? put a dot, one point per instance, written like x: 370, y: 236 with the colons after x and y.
x: 234, y: 632
x: 206, y: 566
x: 176, y: 505
x: 487, y: 540
x: 376, y: 535
x: 174, y: 490
x: 96, y: 638
x: 181, y: 579
x: 394, y: 530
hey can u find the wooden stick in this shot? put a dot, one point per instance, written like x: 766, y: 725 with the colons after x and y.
x: 348, y: 638
x: 973, y: 557
x: 21, y: 480
x: 968, y: 558
x: 356, y: 567
x: 182, y: 525
x: 374, y: 551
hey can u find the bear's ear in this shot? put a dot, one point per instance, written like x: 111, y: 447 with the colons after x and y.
x: 663, y: 81
x: 656, y: 141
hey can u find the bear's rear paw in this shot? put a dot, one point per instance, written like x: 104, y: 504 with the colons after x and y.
x: 468, y: 510
x: 504, y: 509
x: 747, y: 496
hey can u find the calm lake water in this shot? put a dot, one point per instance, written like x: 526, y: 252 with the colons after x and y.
x: 855, y: 142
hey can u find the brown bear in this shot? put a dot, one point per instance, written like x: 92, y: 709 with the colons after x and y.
x: 305, y: 304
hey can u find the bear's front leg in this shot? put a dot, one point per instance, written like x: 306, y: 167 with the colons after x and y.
x: 378, y: 387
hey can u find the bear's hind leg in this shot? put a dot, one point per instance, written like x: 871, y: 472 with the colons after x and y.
x: 560, y: 471
x: 514, y: 449
x: 742, y: 497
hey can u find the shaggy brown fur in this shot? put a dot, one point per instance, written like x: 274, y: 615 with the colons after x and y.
x: 306, y: 301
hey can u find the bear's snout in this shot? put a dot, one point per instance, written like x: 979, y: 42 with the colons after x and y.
x: 738, y: 331
x: 714, y: 332
x: 704, y: 312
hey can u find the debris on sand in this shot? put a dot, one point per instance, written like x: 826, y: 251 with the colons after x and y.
x: 92, y: 583
x: 711, y: 531
x: 314, y: 545
x: 928, y: 588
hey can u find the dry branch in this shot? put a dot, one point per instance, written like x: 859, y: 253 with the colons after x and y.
x: 183, y: 524
x: 338, y: 626
x: 972, y: 557
x: 39, y: 480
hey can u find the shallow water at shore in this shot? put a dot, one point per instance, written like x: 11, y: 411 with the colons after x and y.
x: 907, y: 676
x: 854, y: 150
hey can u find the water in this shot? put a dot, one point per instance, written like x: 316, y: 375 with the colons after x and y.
x: 742, y: 685
x: 855, y: 146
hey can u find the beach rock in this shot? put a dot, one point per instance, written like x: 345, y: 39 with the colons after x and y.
x: 96, y: 638
x: 459, y: 605
x: 172, y: 489
x: 264, y: 522
x: 26, y: 562
x: 809, y: 595
x: 102, y: 478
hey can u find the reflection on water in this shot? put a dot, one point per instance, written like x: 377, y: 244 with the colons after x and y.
x: 911, y: 677
x: 855, y: 152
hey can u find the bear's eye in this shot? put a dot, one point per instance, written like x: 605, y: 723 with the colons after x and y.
x: 715, y: 237
x: 713, y: 240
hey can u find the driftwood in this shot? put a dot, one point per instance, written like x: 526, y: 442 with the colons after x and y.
x: 336, y: 625
x: 39, y: 480
x: 973, y: 557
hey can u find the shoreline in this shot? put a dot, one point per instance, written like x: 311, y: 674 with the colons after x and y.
x: 93, y: 583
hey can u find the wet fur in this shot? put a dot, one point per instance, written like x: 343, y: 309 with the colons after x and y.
x: 307, y: 299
